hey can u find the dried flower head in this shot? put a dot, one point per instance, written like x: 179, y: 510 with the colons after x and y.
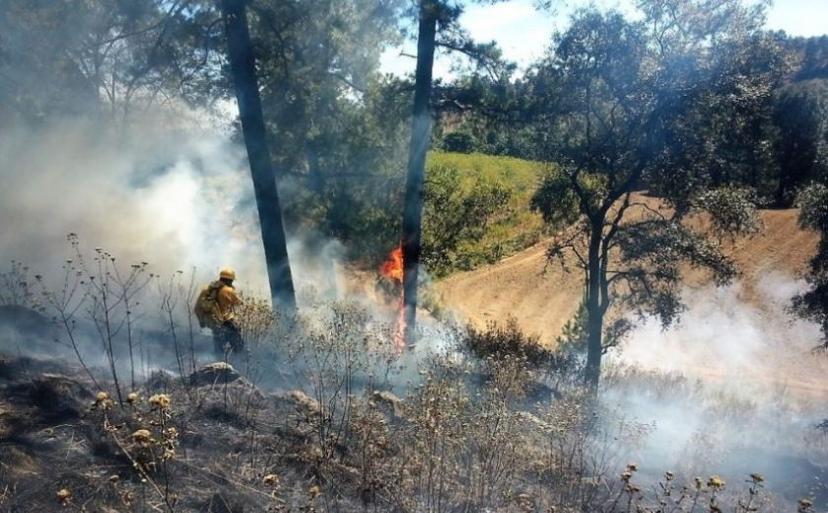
x: 102, y: 401
x: 160, y: 402
x: 133, y: 398
x: 314, y: 492
x: 715, y: 482
x: 271, y: 480
x: 142, y: 436
x: 64, y: 495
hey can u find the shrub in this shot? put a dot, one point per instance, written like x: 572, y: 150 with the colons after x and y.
x: 460, y: 142
x: 504, y: 341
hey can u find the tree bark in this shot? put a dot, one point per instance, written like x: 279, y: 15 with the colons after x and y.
x: 243, y: 72
x: 595, y: 312
x: 420, y: 140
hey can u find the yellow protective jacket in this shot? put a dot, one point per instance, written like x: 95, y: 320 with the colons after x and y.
x: 226, y: 300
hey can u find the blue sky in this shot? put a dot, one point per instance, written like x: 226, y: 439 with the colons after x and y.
x: 523, y: 33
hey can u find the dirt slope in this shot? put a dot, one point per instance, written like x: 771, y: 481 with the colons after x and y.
x: 543, y: 297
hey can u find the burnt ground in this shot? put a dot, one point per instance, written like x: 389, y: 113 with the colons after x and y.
x: 236, y: 448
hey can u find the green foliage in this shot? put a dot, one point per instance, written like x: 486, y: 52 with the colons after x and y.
x: 556, y: 201
x: 574, y: 333
x: 453, y: 216
x: 812, y: 54
x: 492, y: 111
x: 476, y: 207
x: 316, y: 57
x: 460, y: 142
x: 800, y: 115
x: 632, y: 104
x: 653, y: 252
x: 104, y: 57
x: 732, y: 210
x: 507, y: 341
x: 477, y: 211
x: 813, y: 204
x: 813, y: 304
x: 351, y: 188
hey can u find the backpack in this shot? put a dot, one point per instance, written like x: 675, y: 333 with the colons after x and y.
x: 206, y: 305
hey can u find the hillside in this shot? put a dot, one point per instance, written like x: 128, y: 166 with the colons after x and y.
x: 511, y: 228
x: 543, y: 297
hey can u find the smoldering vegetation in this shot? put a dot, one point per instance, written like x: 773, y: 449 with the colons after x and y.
x: 321, y: 412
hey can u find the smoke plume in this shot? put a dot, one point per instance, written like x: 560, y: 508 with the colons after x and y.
x: 733, y: 389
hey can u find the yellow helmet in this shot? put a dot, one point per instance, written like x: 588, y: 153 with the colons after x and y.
x: 227, y: 273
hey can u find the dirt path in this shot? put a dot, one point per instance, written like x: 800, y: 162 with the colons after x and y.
x: 542, y: 297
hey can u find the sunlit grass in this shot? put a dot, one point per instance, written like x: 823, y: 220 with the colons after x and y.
x: 516, y: 227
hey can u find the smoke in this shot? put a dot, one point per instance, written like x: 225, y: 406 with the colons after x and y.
x: 161, y: 190
x: 733, y: 389
x: 171, y: 188
x: 728, y: 336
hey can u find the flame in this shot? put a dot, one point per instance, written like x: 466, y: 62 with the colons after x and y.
x: 392, y: 269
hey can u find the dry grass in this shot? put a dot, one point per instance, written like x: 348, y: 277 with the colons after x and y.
x: 477, y: 428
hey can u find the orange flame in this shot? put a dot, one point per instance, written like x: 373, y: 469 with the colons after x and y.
x: 392, y: 269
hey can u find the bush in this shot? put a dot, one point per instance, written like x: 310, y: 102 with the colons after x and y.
x: 460, y: 142
x: 506, y: 341
x: 454, y: 216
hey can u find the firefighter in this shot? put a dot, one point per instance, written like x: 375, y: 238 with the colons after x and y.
x: 228, y: 333
x: 215, y: 309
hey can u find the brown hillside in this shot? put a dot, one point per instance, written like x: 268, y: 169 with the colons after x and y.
x: 542, y: 297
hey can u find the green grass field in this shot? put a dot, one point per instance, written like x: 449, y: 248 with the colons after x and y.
x: 514, y: 228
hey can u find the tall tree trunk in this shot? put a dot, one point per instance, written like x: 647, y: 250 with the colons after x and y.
x: 243, y: 71
x: 595, y: 313
x: 420, y: 139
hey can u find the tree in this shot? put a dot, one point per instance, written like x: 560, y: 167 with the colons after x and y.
x: 103, y: 57
x: 801, y: 116
x: 626, y: 99
x: 813, y: 304
x: 243, y: 71
x: 812, y: 54
x: 432, y: 14
x: 318, y: 61
x: 415, y: 177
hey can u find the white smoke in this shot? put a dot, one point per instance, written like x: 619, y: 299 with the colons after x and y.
x: 734, y: 388
x: 729, y: 335
x: 162, y: 190
x: 172, y: 189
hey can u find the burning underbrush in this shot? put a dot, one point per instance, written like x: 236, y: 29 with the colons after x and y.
x: 323, y: 412
x: 393, y: 269
x: 327, y: 419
